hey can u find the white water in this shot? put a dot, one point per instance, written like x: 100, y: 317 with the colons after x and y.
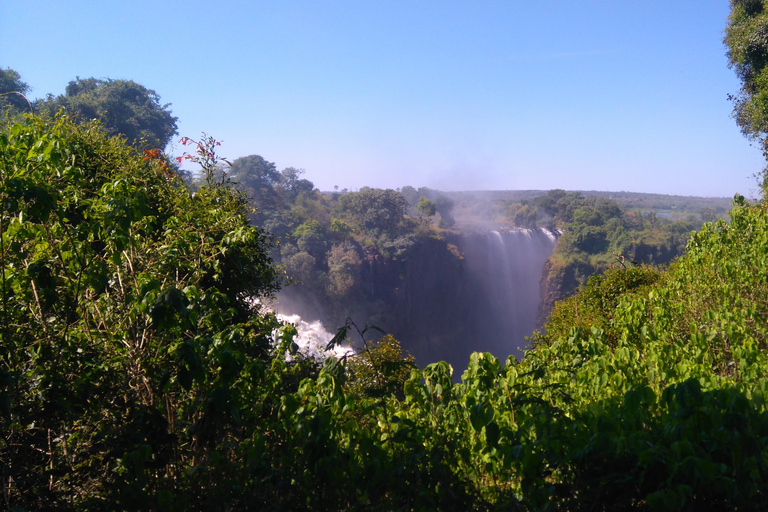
x: 313, y: 338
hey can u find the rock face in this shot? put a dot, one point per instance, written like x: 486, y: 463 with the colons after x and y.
x: 559, y: 280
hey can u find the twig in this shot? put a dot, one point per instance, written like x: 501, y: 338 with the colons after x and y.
x: 31, y: 110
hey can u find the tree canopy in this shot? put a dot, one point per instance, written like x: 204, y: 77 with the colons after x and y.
x: 124, y: 107
x: 10, y: 84
x: 376, y: 210
x: 746, y: 39
x: 426, y: 207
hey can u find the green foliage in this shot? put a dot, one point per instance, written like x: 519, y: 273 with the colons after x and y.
x: 346, y: 252
x: 344, y: 271
x: 386, y: 233
x: 746, y: 38
x: 382, y: 368
x: 589, y: 239
x: 521, y: 215
x: 138, y: 370
x: 474, y: 208
x: 258, y: 177
x: 376, y: 211
x: 588, y: 215
x: 444, y: 206
x: 339, y: 229
x: 129, y: 338
x: 411, y: 195
x: 426, y: 207
x: 686, y: 350
x: 311, y: 238
x: 595, y: 303
x: 598, y: 235
x: 293, y: 184
x: 124, y: 107
x: 12, y: 89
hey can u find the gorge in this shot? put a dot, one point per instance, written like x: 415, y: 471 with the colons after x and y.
x: 470, y: 292
x: 448, y: 275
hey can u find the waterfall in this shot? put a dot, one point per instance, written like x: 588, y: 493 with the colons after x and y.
x: 502, y: 291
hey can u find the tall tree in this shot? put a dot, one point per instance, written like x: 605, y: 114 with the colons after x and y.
x: 124, y: 107
x: 293, y: 184
x: 259, y: 178
x: 11, y: 89
x: 746, y: 37
x: 426, y: 207
x: 444, y: 206
x: 375, y: 210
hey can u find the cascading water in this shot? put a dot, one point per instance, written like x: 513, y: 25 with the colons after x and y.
x: 313, y: 338
x: 502, y: 291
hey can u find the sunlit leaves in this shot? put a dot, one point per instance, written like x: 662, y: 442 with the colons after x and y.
x: 123, y: 297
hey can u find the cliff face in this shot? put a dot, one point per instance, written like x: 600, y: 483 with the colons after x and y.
x: 563, y: 274
x: 559, y: 280
x: 550, y: 291
x: 414, y: 298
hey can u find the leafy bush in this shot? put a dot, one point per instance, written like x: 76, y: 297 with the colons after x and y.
x: 380, y: 369
x: 129, y: 335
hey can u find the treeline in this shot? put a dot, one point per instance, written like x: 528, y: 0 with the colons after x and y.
x: 675, y: 207
x: 358, y: 255
x: 597, y: 234
x: 123, y: 107
x: 137, y: 372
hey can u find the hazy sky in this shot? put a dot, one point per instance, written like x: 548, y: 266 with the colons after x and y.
x: 604, y: 95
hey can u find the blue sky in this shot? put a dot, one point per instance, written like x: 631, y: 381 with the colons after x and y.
x: 590, y: 95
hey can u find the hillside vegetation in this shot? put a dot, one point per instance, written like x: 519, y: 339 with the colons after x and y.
x: 394, y: 258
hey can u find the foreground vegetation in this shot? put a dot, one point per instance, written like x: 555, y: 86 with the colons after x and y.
x: 138, y: 373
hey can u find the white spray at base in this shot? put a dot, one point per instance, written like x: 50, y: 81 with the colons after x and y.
x: 313, y: 338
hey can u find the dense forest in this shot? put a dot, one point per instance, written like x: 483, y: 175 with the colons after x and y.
x: 142, y: 369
